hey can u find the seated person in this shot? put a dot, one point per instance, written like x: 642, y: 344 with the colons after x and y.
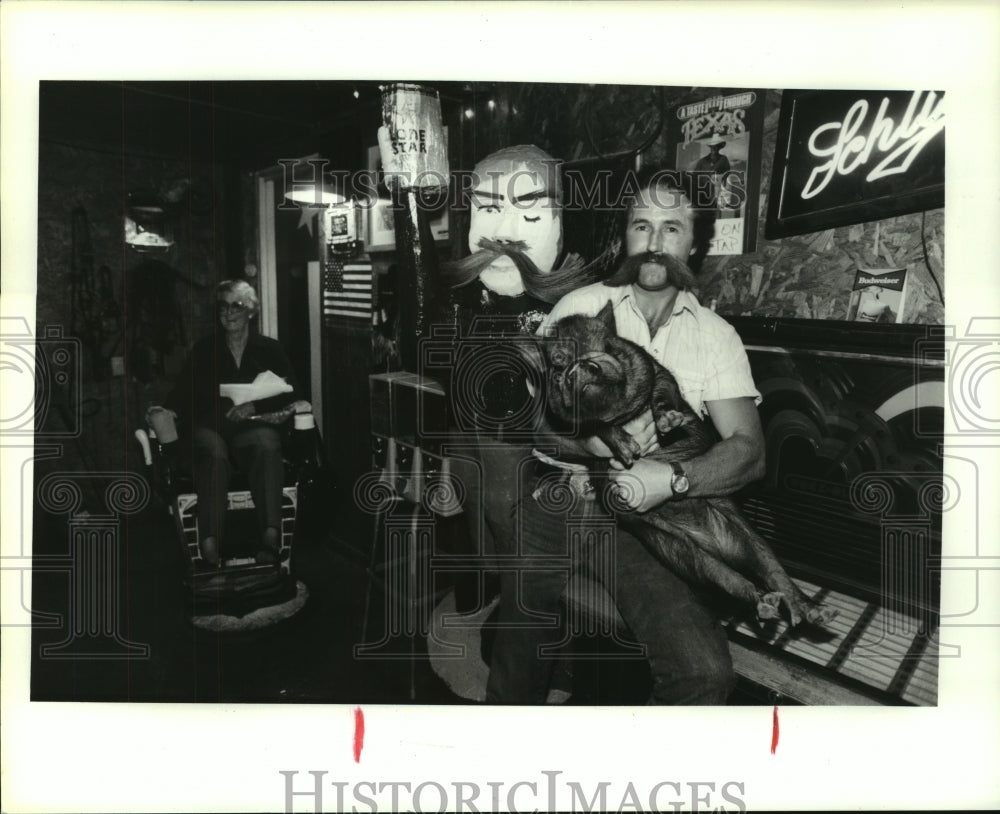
x: 222, y: 434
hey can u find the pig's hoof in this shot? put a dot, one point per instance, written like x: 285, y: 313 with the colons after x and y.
x: 667, y: 421
x: 629, y: 452
x: 627, y: 457
x: 768, y: 605
x: 820, y: 615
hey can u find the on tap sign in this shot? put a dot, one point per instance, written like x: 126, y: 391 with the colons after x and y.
x: 849, y: 156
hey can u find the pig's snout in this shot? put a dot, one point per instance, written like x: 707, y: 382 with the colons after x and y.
x: 581, y: 372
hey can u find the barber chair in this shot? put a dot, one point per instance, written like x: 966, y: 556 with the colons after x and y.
x: 240, y: 595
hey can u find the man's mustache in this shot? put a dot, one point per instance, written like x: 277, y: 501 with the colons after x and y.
x: 678, y: 272
x: 547, y: 286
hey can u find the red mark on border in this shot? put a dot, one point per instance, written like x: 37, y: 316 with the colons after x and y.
x: 774, y: 730
x: 359, y: 733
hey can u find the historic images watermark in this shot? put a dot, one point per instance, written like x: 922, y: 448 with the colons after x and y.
x: 313, y: 791
x: 970, y: 429
x: 43, y: 410
x: 598, y: 190
x: 971, y: 360
x: 417, y: 465
x: 50, y: 411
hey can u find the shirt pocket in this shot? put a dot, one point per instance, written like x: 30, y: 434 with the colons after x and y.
x: 692, y: 385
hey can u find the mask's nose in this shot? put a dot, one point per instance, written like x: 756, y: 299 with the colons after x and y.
x: 508, y: 228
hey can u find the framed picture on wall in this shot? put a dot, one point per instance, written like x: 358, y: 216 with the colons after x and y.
x: 719, y: 137
x: 381, y: 235
x: 850, y: 156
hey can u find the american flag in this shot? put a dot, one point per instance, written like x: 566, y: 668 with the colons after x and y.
x: 347, y: 289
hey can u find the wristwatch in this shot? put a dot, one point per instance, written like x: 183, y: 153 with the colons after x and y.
x: 679, y: 483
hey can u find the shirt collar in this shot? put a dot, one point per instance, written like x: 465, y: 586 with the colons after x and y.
x: 686, y: 300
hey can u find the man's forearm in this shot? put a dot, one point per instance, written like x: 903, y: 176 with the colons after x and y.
x: 727, y: 467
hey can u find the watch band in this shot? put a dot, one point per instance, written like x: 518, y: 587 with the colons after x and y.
x: 679, y: 483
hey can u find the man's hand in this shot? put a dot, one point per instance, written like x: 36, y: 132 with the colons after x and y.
x: 241, y: 412
x: 164, y: 423
x: 643, y: 487
x: 643, y: 431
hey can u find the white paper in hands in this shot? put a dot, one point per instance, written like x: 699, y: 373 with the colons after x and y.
x: 266, y: 384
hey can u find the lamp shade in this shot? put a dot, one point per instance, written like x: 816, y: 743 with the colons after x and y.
x: 316, y: 194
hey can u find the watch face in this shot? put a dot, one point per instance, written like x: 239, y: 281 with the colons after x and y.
x: 680, y: 484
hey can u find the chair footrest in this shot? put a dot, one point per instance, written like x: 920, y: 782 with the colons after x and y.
x: 185, y: 512
x: 238, y: 591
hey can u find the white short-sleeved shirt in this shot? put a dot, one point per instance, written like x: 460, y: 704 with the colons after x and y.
x: 699, y: 347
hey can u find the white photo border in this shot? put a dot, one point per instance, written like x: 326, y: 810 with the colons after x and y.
x: 100, y: 757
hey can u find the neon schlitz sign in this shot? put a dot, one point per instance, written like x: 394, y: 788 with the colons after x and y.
x: 851, y: 156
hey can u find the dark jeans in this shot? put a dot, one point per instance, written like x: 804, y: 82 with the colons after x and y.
x: 255, y: 451
x: 685, y: 644
x: 488, y: 471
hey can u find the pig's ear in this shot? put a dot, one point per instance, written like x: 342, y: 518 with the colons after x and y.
x: 607, y: 316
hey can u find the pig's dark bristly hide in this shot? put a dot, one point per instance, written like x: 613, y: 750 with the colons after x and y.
x: 595, y: 382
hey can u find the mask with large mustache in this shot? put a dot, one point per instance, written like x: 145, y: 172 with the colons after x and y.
x: 547, y: 286
x: 675, y: 272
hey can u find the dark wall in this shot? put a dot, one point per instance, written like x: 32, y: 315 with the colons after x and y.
x: 140, y: 310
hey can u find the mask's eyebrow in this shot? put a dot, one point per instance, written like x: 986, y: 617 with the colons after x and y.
x: 489, y: 196
x: 527, y: 197
x: 534, y: 195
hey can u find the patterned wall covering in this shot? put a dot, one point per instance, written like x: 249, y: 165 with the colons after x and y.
x: 147, y: 309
